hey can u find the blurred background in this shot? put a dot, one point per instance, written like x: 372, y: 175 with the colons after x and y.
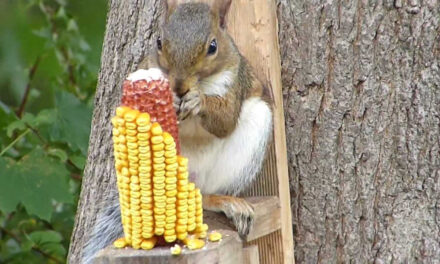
x: 49, y: 62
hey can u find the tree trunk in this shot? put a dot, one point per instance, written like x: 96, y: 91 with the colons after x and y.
x: 361, y: 93
x: 129, y: 33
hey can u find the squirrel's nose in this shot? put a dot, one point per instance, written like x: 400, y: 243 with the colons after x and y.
x: 179, y: 87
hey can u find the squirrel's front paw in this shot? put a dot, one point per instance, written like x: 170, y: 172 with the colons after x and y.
x: 176, y: 102
x: 190, y: 104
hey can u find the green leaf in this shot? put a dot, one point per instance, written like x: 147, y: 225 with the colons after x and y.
x: 35, y: 181
x: 48, y: 241
x: 16, y: 125
x: 73, y: 119
x: 43, y: 33
x: 79, y: 161
x: 41, y: 237
x: 46, y: 116
x: 61, y: 13
x: 71, y: 25
x: 59, y: 153
x: 6, y: 117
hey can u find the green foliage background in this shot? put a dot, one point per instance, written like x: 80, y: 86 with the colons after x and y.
x: 49, y: 62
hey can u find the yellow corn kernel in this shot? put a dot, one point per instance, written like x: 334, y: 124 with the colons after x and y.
x: 158, y: 147
x: 149, y: 243
x: 121, y: 110
x: 172, y: 160
x: 204, y: 228
x: 168, y: 138
x: 215, y: 236
x: 130, y: 128
x: 159, y: 166
x: 131, y: 115
x: 170, y: 180
x: 182, y: 236
x: 156, y: 140
x: 201, y: 235
x: 170, y: 153
x: 156, y: 129
x: 171, y: 193
x: 171, y: 174
x: 176, y: 250
x: 120, y: 243
x: 143, y: 119
x: 195, y: 243
x: 143, y: 135
x: 183, y: 162
x: 181, y: 228
x: 159, y: 230
x: 170, y: 146
x: 144, y: 129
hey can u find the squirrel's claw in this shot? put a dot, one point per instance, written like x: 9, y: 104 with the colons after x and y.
x: 242, y: 215
x: 189, y: 105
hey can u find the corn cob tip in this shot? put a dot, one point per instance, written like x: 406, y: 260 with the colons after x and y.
x: 148, y: 75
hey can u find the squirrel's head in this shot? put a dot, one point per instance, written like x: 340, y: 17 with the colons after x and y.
x: 193, y: 42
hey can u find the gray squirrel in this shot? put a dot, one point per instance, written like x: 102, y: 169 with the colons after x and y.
x: 224, y: 112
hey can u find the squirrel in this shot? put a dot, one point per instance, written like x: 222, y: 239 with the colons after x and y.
x: 224, y: 113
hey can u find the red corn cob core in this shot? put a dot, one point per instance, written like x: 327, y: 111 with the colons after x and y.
x: 153, y: 95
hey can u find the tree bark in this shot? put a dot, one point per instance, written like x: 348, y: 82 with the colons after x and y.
x: 361, y: 93
x: 131, y: 27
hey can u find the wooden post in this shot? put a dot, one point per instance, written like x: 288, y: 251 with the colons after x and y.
x: 254, y: 27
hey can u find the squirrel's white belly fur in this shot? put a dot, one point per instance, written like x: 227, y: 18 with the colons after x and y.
x: 227, y: 165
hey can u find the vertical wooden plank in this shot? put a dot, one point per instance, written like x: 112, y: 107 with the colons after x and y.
x: 254, y: 27
x: 270, y: 249
x: 251, y: 255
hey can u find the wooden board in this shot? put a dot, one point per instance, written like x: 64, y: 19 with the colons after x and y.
x: 227, y: 251
x: 251, y: 255
x: 254, y: 27
x: 267, y: 217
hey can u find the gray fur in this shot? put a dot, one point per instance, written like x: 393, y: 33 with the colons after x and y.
x: 108, y: 228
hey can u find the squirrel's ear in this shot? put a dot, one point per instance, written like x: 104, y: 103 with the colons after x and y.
x: 170, y: 5
x: 222, y: 7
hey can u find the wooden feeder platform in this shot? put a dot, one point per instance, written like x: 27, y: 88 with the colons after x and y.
x: 230, y: 250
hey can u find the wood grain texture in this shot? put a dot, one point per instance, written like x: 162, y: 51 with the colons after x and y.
x: 227, y: 251
x: 251, y: 255
x: 267, y: 216
x: 361, y: 91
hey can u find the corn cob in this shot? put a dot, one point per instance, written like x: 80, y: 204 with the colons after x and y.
x: 155, y: 195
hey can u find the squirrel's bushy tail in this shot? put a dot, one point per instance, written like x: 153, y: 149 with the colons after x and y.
x: 108, y: 228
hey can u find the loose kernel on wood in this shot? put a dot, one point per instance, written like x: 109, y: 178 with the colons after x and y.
x: 215, y: 236
x: 176, y: 250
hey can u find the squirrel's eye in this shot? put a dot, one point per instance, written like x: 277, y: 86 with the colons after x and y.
x: 212, y: 47
x: 159, y: 43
